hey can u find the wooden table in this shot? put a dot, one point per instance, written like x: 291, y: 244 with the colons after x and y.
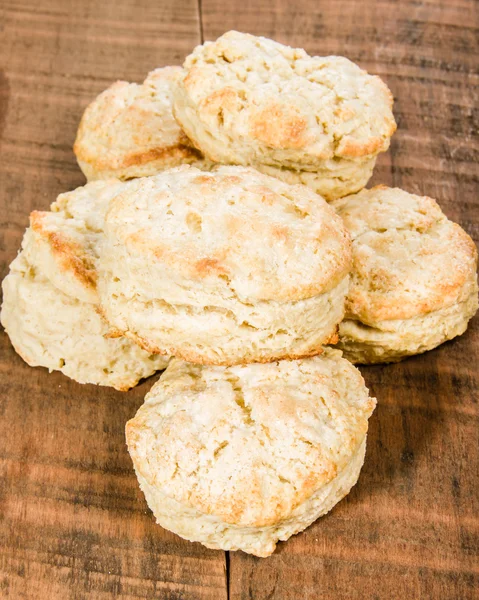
x: 73, y: 523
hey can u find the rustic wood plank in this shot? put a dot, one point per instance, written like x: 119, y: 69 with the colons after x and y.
x: 410, y: 527
x: 73, y: 523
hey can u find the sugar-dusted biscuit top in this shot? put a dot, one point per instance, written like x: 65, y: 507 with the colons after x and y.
x: 129, y: 130
x: 250, y: 100
x: 250, y: 447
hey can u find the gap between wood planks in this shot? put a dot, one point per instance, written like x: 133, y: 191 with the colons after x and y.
x: 200, y: 20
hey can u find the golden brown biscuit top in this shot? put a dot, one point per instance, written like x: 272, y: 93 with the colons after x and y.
x: 64, y: 242
x: 132, y: 124
x: 234, y: 230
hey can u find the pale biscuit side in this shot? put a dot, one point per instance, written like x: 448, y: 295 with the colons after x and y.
x: 332, y: 178
x: 213, y: 533
x: 391, y: 341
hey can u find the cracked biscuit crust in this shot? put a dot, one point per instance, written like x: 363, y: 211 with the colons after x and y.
x: 182, y: 270
x: 250, y: 447
x: 129, y: 130
x: 252, y: 101
x: 413, y: 283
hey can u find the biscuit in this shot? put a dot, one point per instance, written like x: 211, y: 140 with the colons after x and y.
x: 223, y: 268
x: 240, y: 457
x: 129, y: 131
x: 413, y: 283
x: 50, y: 329
x: 306, y: 119
x: 50, y: 305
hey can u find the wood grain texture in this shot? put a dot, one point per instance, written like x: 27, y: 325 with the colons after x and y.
x: 410, y: 527
x: 73, y: 523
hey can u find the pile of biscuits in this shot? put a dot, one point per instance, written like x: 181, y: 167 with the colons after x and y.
x: 225, y: 234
